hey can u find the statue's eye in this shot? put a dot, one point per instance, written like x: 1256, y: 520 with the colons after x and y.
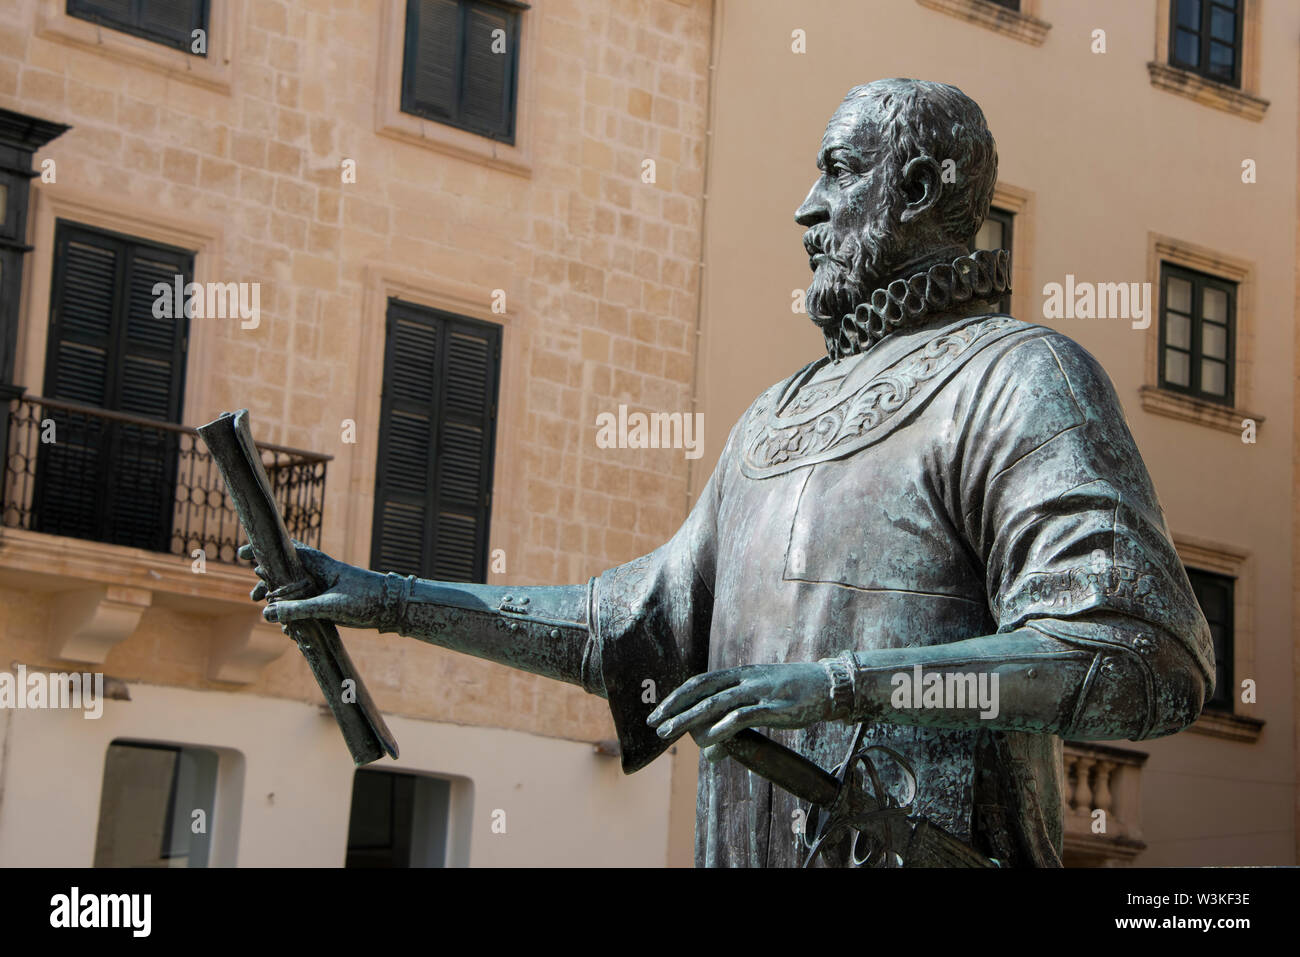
x: 840, y: 174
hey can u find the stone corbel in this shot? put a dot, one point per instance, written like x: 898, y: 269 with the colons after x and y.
x: 242, y: 645
x: 87, y: 623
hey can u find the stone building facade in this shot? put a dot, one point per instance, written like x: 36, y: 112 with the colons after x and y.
x: 628, y: 239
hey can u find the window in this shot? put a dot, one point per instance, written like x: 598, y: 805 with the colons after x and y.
x: 1196, y: 333
x: 1206, y: 38
x: 398, y: 820
x: 156, y: 806
x: 433, y: 481
x: 461, y: 62
x: 110, y: 479
x: 1215, y: 595
x: 169, y: 22
x: 13, y: 220
x: 995, y: 233
x: 20, y: 136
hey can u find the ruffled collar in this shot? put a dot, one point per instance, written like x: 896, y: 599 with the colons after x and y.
x: 984, y: 274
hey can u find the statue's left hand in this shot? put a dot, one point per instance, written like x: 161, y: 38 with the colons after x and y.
x: 715, y: 705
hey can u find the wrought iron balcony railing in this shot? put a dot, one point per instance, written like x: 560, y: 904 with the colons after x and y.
x: 89, y: 473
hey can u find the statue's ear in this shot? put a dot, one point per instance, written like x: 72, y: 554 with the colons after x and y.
x: 921, y: 184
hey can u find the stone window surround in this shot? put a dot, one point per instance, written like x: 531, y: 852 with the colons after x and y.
x: 102, y: 211
x: 1238, y: 564
x: 215, y: 71
x: 1185, y: 407
x: 103, y: 589
x: 392, y: 122
x: 1244, y: 101
x: 1020, y: 204
x: 1023, y: 24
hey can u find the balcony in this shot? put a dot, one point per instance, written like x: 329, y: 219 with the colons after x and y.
x: 105, y: 515
x: 103, y: 476
x: 1103, y: 804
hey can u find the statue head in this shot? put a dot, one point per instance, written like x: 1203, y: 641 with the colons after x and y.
x: 908, y: 170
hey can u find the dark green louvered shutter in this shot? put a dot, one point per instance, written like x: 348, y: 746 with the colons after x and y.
x: 433, y: 481
x: 171, y: 22
x: 487, y: 94
x: 431, y: 70
x: 451, y: 73
x: 82, y: 307
x: 107, y: 480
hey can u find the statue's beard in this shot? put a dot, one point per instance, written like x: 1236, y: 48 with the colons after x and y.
x: 849, y: 271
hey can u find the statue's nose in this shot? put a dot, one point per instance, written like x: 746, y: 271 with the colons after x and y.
x: 814, y: 209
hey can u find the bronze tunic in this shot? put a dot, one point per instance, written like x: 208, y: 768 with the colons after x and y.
x: 966, y: 478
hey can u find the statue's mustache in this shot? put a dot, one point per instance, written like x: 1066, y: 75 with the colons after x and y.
x: 817, y: 241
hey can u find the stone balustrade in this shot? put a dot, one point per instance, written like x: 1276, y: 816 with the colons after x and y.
x: 1103, y: 805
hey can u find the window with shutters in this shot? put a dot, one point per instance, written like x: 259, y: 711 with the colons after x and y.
x: 169, y: 22
x: 111, y: 479
x: 460, y: 64
x: 433, y: 477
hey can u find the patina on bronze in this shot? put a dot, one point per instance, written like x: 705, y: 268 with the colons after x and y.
x: 230, y: 441
x: 923, y: 560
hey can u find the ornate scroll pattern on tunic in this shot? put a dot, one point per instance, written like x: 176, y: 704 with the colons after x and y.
x: 771, y: 446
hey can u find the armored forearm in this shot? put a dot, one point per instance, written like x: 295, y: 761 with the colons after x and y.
x: 543, y: 630
x: 1081, y: 680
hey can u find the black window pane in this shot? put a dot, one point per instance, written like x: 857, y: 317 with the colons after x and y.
x: 1223, y: 24
x: 1215, y: 595
x: 996, y: 232
x: 398, y: 820
x: 1222, y: 60
x: 1205, y: 37
x: 1213, y: 377
x: 148, y: 800
x: 1178, y: 367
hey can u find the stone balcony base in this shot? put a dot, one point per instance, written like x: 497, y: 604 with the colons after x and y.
x: 98, y: 594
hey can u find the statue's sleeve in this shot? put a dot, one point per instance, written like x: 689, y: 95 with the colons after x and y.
x: 650, y: 621
x: 1057, y: 504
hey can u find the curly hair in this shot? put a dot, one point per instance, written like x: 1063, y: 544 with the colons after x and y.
x: 920, y: 118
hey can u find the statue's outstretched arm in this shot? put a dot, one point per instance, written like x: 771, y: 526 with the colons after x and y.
x: 543, y: 629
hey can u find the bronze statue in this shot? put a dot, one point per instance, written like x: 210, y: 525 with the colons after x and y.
x: 923, y: 559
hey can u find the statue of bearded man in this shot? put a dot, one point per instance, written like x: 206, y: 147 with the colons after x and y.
x: 937, y: 542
